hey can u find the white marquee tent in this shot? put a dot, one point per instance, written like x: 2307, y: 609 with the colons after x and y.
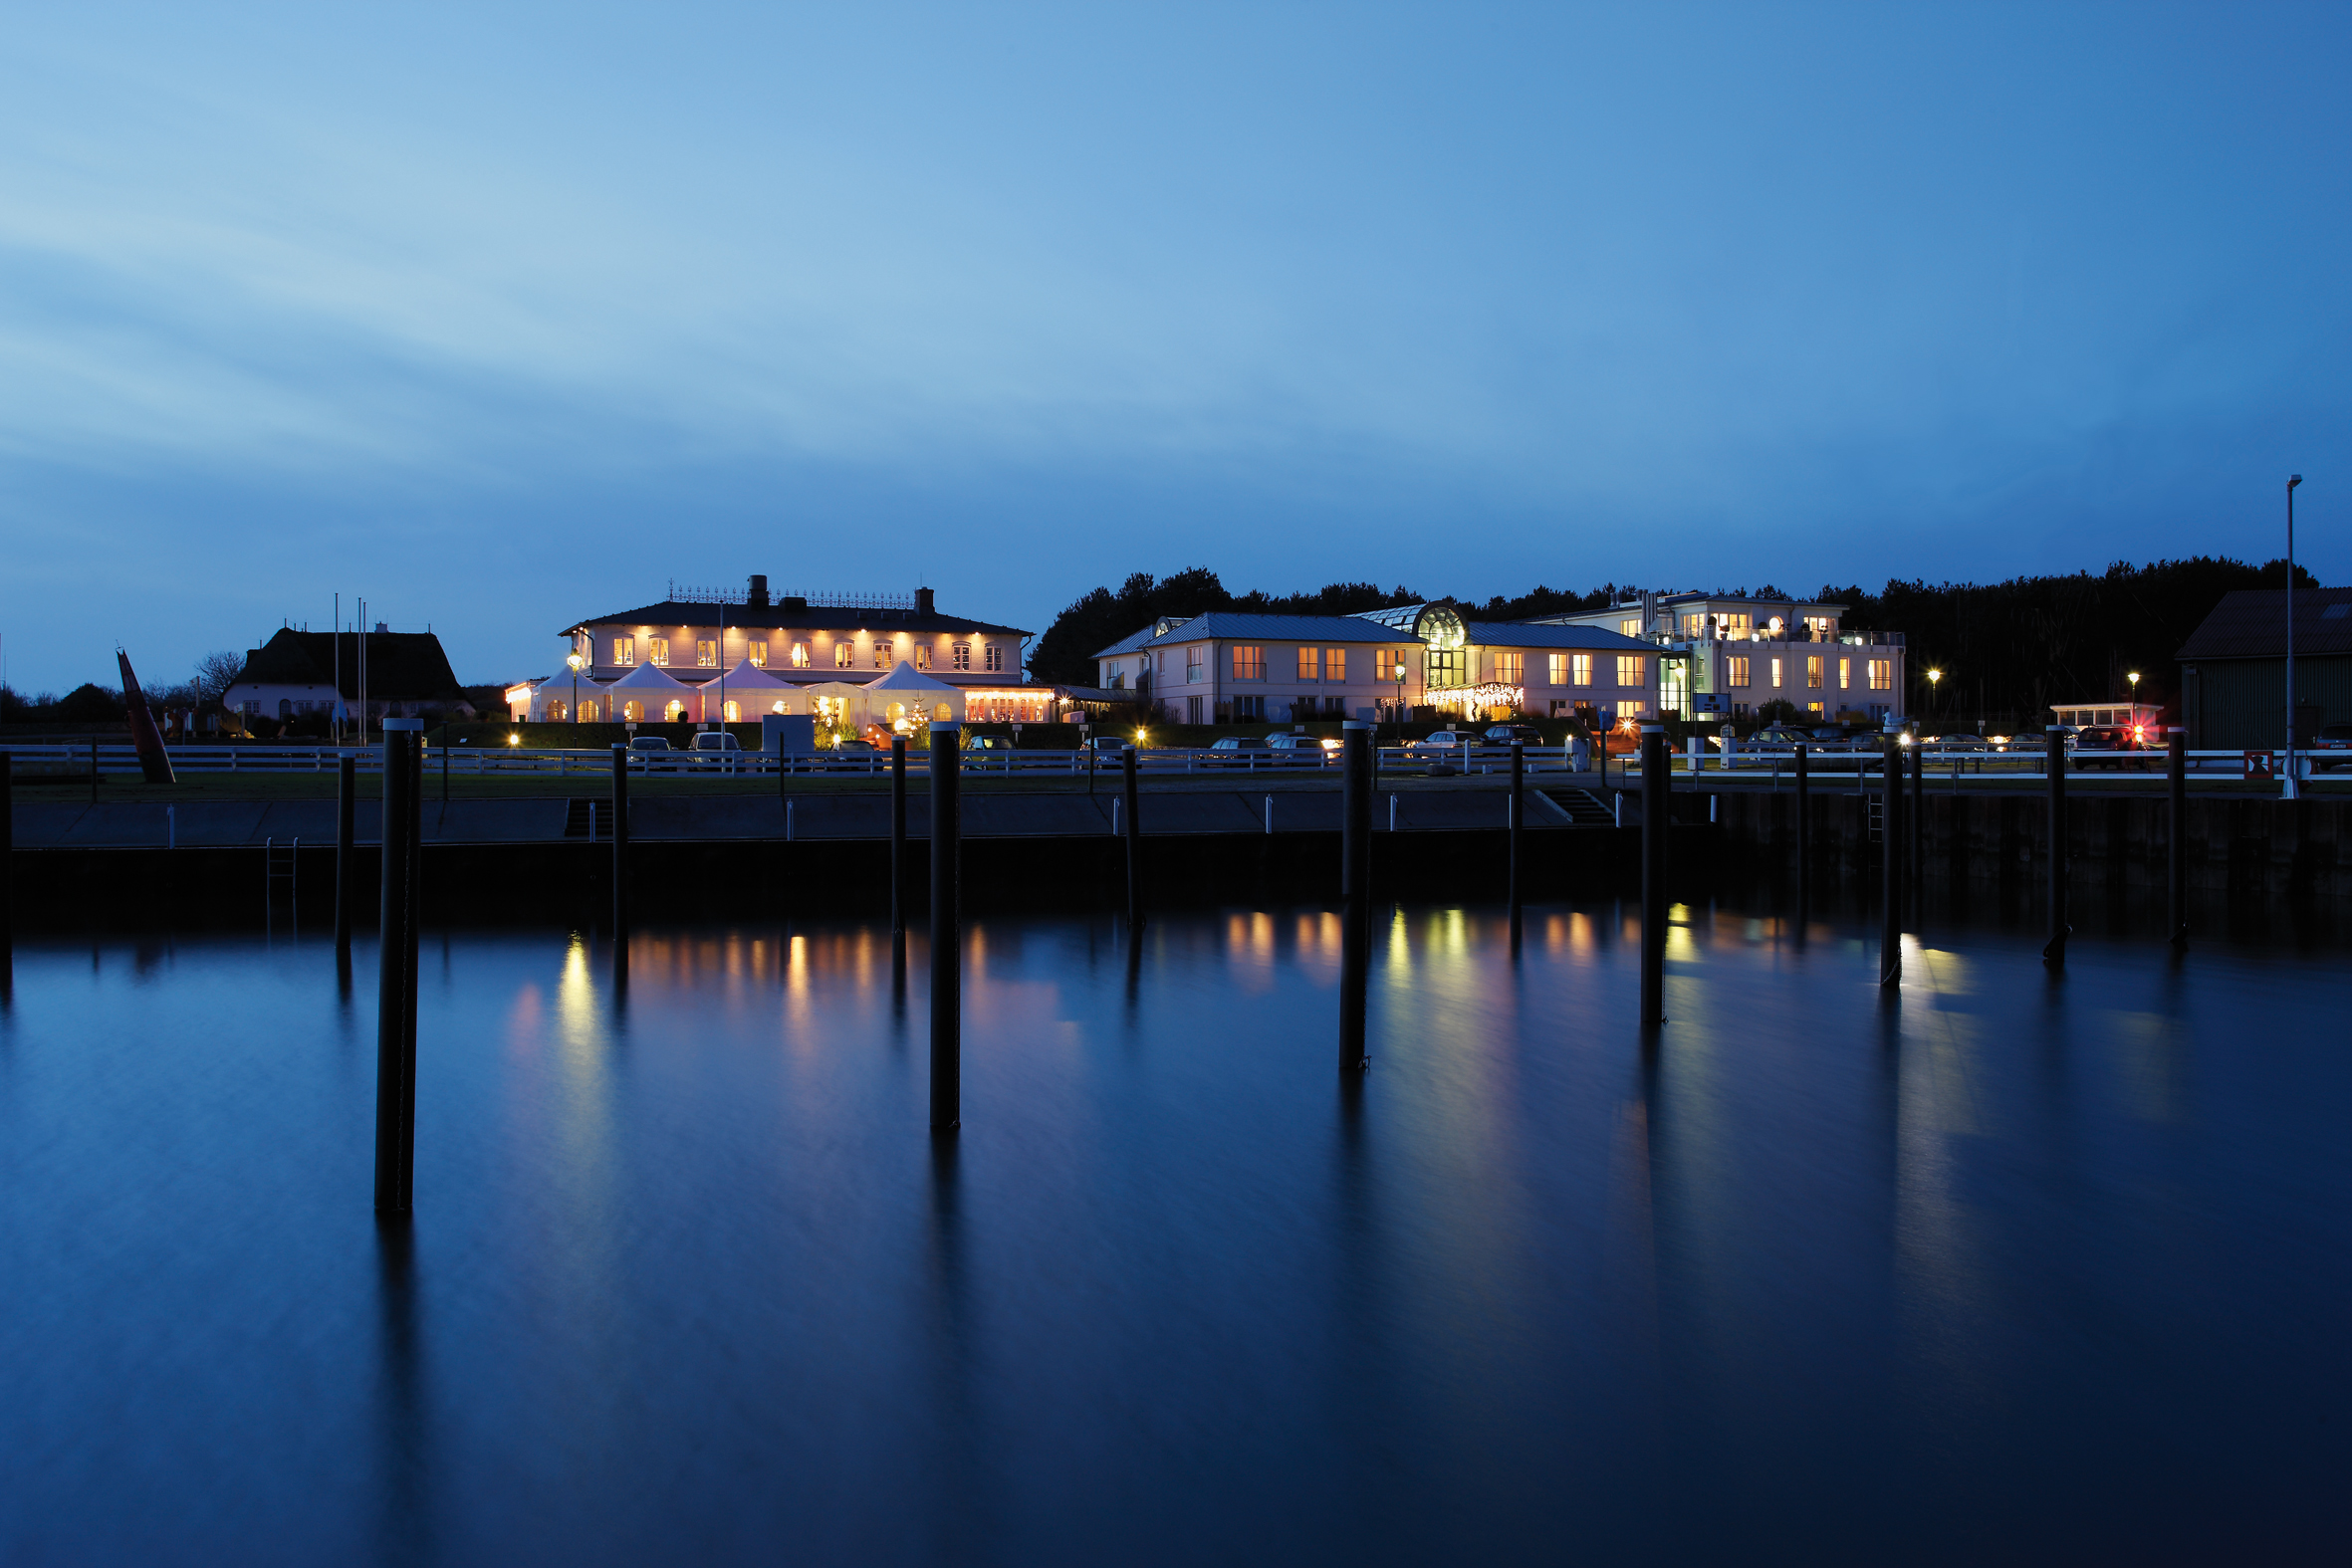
x: 908, y: 692
x: 649, y: 693
x: 751, y: 692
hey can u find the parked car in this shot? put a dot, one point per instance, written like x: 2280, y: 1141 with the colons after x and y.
x: 1443, y: 751
x: 1230, y: 751
x: 2331, y: 747
x: 1509, y: 734
x: 2106, y: 746
x: 1962, y: 742
x: 1298, y: 751
x: 646, y: 748
x: 1779, y: 734
x: 1106, y: 744
x: 711, y: 741
x: 986, y: 742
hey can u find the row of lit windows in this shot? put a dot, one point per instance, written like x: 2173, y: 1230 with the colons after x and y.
x: 706, y: 654
x: 1444, y: 666
x: 1879, y: 672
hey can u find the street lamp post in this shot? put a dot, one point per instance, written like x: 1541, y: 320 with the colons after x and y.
x: 1934, y: 676
x: 2292, y: 480
x: 575, y: 661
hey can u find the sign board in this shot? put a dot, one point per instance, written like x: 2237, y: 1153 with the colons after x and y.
x: 2258, y: 766
x: 787, y: 734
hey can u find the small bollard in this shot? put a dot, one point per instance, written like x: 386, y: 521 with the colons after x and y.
x: 394, y: 1081
x: 2053, y: 952
x: 1655, y: 803
x: 2176, y: 852
x: 620, y: 848
x: 1890, y: 863
x: 1134, y: 842
x: 1805, y: 838
x: 897, y: 834
x: 346, y: 815
x: 1518, y: 792
x: 947, y: 1040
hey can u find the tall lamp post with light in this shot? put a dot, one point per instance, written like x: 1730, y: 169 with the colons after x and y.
x: 575, y: 661
x: 2292, y: 480
x: 1934, y: 676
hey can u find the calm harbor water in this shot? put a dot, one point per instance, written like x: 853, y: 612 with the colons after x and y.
x: 2007, y: 1269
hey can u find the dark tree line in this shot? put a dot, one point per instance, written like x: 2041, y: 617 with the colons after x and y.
x: 2007, y: 649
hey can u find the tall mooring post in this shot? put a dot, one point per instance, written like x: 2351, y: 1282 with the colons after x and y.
x: 1656, y: 803
x: 1518, y: 816
x: 1356, y: 891
x: 1890, y: 863
x: 1135, y: 832
x: 897, y: 836
x: 7, y: 892
x: 1805, y: 839
x: 2053, y: 952
x: 620, y: 848
x: 947, y: 947
x: 2176, y: 852
x: 346, y: 818
x: 395, y: 1065
x: 1915, y: 835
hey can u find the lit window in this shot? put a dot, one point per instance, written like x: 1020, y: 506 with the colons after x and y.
x: 624, y: 650
x: 800, y: 656
x: 1248, y: 664
x: 922, y: 655
x: 881, y: 654
x: 1812, y: 707
x: 1631, y: 629
x: 661, y: 650
x: 1192, y: 666
x: 758, y: 656
x: 632, y: 711
x: 1388, y: 664
x: 588, y: 712
x: 1442, y: 668
x: 1824, y: 627
x: 1630, y: 671
x: 1882, y: 677
x: 1776, y: 674
x: 1814, y: 666
x: 1311, y: 665
x: 1738, y: 673
x: 1508, y: 667
x: 1845, y: 674
x: 1581, y: 667
x: 1739, y: 623
x: 843, y: 654
x: 1557, y: 669
x: 733, y: 711
x: 996, y: 656
x: 1693, y: 622
x: 960, y: 656
x: 706, y: 654
x: 1335, y: 664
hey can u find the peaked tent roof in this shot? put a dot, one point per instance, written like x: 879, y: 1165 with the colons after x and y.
x: 750, y: 677
x: 650, y: 677
x: 906, y: 678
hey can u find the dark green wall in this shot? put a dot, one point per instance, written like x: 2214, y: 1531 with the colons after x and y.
x: 2231, y: 703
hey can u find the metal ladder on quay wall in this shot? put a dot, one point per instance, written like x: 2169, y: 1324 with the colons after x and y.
x: 1585, y: 809
x: 582, y: 819
x: 279, y: 865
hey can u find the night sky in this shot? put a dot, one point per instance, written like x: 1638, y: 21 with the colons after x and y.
x: 503, y: 315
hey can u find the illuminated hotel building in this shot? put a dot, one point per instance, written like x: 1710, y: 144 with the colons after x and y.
x: 1728, y: 655
x: 1229, y: 667
x: 771, y: 651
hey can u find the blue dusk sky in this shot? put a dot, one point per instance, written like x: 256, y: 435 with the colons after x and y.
x: 503, y: 316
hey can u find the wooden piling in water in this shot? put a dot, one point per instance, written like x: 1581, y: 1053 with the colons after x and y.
x: 2053, y: 766
x: 620, y: 845
x: 1355, y: 892
x: 947, y: 1040
x: 1655, y: 803
x: 1134, y: 835
x: 897, y: 834
x: 7, y: 890
x: 1805, y: 838
x: 394, y: 1080
x: 2176, y: 863
x: 1519, y: 809
x: 1890, y: 863
x: 346, y: 817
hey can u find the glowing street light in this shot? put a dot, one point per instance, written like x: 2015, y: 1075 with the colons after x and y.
x: 575, y: 661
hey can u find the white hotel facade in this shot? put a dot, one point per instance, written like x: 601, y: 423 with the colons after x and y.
x: 1728, y: 656
x: 1229, y: 667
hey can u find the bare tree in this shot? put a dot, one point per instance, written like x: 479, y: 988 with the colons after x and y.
x: 216, y: 673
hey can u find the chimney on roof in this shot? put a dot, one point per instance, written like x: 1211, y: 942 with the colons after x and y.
x: 923, y: 601
x: 759, y: 592
x: 380, y: 626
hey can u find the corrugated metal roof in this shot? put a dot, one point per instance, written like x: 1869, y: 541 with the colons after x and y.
x: 2251, y: 624
x: 1231, y: 624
